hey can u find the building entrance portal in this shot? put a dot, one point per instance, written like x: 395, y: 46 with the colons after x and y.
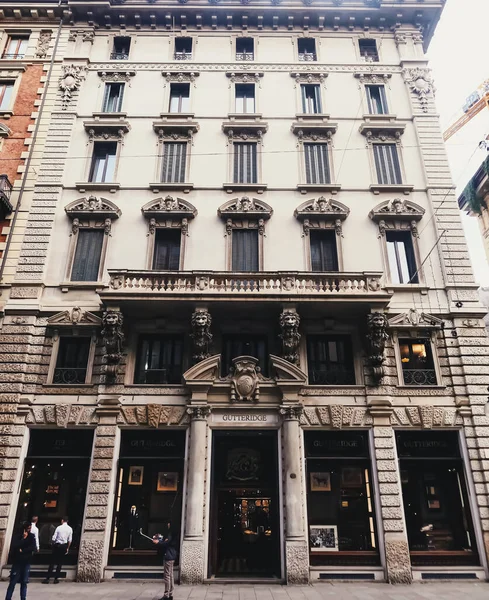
x: 245, y: 539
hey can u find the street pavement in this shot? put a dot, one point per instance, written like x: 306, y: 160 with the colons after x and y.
x: 320, y: 591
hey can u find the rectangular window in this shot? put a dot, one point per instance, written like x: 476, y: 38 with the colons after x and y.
x: 311, y: 99
x: 72, y: 360
x: 86, y: 263
x: 245, y: 250
x: 245, y: 98
x: 245, y: 162
x: 376, y: 100
x: 330, y: 360
x: 180, y: 97
x: 307, y: 49
x: 16, y: 47
x: 324, y: 254
x: 113, y: 97
x: 402, y: 260
x: 6, y: 91
x: 120, y: 50
x: 368, y: 50
x: 103, y: 162
x: 244, y: 345
x: 167, y: 250
x: 418, y: 367
x: 174, y: 162
x: 183, y: 48
x: 159, y: 360
x: 317, y: 163
x: 387, y: 164
x: 245, y: 49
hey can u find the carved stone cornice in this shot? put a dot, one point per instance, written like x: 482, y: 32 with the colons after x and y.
x: 291, y: 412
x: 121, y: 76
x: 309, y: 77
x: 74, y: 318
x: 92, y: 207
x: 175, y: 130
x: 199, y: 412
x: 415, y: 319
x: 180, y: 76
x: 397, y: 210
x: 245, y: 207
x: 244, y: 77
x: 374, y: 78
x: 169, y: 207
x: 321, y: 210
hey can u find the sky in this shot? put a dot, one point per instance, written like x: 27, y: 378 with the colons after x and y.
x: 458, y: 58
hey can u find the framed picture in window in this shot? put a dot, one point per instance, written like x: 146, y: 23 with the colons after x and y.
x: 323, y: 538
x: 320, y: 482
x: 167, y: 482
x: 51, y: 504
x: 351, y: 477
x: 136, y: 475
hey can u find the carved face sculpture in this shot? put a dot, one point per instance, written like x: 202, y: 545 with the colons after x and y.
x: 201, y: 319
x: 397, y: 205
x: 289, y: 320
x: 377, y: 321
x: 169, y: 203
x: 112, y: 319
x: 245, y: 204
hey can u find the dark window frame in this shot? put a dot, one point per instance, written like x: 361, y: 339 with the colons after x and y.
x: 318, y: 254
x: 376, y: 99
x: 68, y: 374
x: 245, y: 93
x: 166, y: 373
x: 98, y: 156
x: 173, y: 261
x: 16, y: 55
x: 387, y: 163
x: 110, y: 98
x: 402, y: 244
x: 245, y: 49
x: 368, y: 49
x: 423, y: 374
x: 307, y: 50
x: 176, y: 93
x: 322, y: 369
x: 317, y: 163
x: 311, y: 100
x: 244, y: 339
x: 184, y: 48
x: 238, y: 261
x: 77, y: 271
x: 245, y: 162
x: 174, y: 161
x: 121, y: 47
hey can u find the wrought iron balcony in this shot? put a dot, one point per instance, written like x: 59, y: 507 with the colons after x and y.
x: 245, y: 56
x: 307, y: 56
x: 183, y: 55
x: 419, y: 376
x: 137, y: 284
x: 119, y: 56
x: 69, y: 376
x: 5, y: 193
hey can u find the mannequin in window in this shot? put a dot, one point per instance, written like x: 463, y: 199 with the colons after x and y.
x: 133, y: 525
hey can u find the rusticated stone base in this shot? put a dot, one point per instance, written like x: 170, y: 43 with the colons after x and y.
x: 297, y: 562
x: 90, y: 558
x: 398, y: 560
x: 192, y: 562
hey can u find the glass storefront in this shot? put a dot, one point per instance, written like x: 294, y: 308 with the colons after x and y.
x: 54, y: 485
x: 148, y: 494
x: 340, y: 503
x: 436, y: 504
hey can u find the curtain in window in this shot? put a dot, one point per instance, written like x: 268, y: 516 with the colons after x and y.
x: 174, y: 162
x: 103, y: 162
x: 330, y: 360
x: 245, y: 250
x: 160, y: 360
x: 387, y: 164
x: 167, y: 250
x: 324, y: 255
x: 311, y: 99
x: 245, y: 163
x: 402, y: 260
x: 88, y: 251
x: 317, y: 163
x: 113, y: 97
x: 376, y: 99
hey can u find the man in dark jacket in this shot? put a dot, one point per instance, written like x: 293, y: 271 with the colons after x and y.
x: 23, y: 547
x: 169, y: 550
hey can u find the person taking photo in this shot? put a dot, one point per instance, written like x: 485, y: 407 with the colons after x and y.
x: 23, y: 547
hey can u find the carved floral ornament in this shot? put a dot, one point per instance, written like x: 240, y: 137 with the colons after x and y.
x: 43, y: 44
x: 312, y: 212
x: 420, y: 82
x: 397, y: 210
x: 414, y: 318
x: 245, y: 207
x: 179, y: 77
x: 169, y: 210
x: 92, y: 208
x: 69, y: 82
x: 365, y: 78
x: 237, y: 77
x: 116, y: 76
x: 309, y: 77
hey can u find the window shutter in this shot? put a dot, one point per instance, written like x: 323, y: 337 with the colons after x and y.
x: 245, y: 250
x: 317, y: 99
x: 120, y: 95
x: 304, y: 98
x: 87, y: 255
x: 174, y: 162
x: 245, y: 163
x: 383, y: 99
x: 167, y: 250
x: 317, y: 163
x: 105, y: 104
x: 387, y: 164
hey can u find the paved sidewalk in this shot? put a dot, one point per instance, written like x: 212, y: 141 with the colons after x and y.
x: 321, y: 591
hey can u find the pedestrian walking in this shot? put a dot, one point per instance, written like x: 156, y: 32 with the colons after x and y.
x: 168, y: 545
x: 61, y: 544
x: 35, y: 530
x: 23, y: 546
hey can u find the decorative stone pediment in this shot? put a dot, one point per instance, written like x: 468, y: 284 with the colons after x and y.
x: 246, y: 77
x: 284, y: 371
x: 179, y: 77
x: 116, y: 76
x: 321, y: 208
x: 75, y: 317
x: 415, y: 318
x: 397, y: 209
x: 169, y: 207
x: 93, y: 208
x: 245, y: 208
x: 309, y: 77
x: 204, y: 371
x: 372, y: 78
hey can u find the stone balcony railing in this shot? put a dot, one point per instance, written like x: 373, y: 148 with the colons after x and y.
x: 125, y: 283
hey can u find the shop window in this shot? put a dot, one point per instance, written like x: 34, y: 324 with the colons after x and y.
x: 402, y: 260
x: 148, y: 495
x: 86, y: 262
x: 16, y: 47
x: 174, y: 162
x: 6, y: 92
x: 179, y: 97
x: 317, y: 163
x: 311, y: 98
x: 340, y: 502
x: 183, y: 48
x: 418, y: 367
x: 245, y: 49
x: 376, y: 100
x: 436, y: 504
x: 330, y: 360
x: 368, y: 50
x: 159, y: 360
x: 245, y: 162
x: 72, y: 361
x: 245, y: 250
x: 113, y: 97
x: 387, y: 164
x: 54, y: 484
x: 120, y: 50
x: 307, y: 49
x: 324, y: 253
x: 244, y: 345
x: 167, y: 249
x: 245, y: 98
x: 103, y: 165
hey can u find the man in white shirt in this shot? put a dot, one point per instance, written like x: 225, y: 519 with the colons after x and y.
x: 35, y: 530
x: 61, y: 544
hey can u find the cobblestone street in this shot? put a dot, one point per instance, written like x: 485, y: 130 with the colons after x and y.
x: 322, y: 591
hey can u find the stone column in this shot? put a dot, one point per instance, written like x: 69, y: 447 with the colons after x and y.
x: 296, y: 546
x: 97, y: 524
x: 192, y: 555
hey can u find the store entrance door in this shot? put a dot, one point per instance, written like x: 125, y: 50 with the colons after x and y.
x: 245, y: 541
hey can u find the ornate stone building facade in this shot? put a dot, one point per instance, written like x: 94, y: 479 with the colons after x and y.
x: 242, y: 302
